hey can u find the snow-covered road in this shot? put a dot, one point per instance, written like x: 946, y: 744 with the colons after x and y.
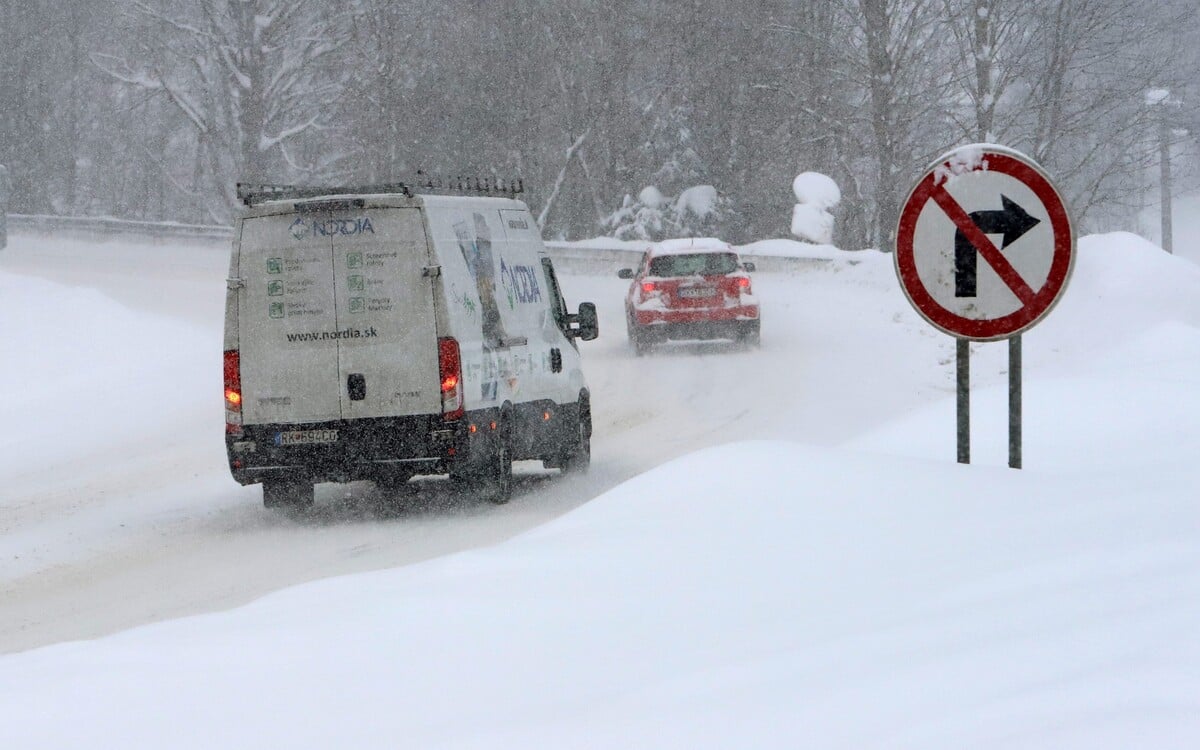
x: 117, y: 507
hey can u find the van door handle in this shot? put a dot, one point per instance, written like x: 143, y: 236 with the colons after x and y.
x: 555, y: 360
x: 356, y: 386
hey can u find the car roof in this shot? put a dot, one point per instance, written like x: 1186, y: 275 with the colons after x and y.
x: 689, y: 245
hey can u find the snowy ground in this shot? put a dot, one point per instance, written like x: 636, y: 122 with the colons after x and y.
x: 774, y: 548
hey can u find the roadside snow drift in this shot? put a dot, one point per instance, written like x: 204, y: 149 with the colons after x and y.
x: 861, y: 592
x: 756, y: 595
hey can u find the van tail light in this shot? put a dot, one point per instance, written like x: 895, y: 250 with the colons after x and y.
x: 233, y: 393
x: 450, y: 372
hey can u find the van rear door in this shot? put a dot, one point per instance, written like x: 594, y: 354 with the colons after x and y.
x: 286, y: 313
x: 385, y: 313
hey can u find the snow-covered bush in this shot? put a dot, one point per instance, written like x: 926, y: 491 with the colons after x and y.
x: 816, y: 197
x: 640, y: 219
x: 697, y: 211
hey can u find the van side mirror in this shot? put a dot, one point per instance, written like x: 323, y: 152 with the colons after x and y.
x: 585, y: 324
x: 748, y: 266
x: 625, y: 273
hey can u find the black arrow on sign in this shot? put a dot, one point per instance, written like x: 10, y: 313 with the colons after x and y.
x: 1012, y: 221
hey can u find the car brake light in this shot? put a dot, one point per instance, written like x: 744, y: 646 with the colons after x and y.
x: 647, y: 287
x: 450, y: 373
x: 744, y: 283
x: 233, y: 393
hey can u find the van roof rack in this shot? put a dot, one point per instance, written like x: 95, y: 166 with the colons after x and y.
x: 470, y: 185
x: 251, y: 194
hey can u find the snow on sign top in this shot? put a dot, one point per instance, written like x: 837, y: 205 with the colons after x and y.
x: 985, y: 244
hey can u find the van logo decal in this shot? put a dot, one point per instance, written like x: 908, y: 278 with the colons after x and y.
x: 521, y: 283
x: 301, y: 229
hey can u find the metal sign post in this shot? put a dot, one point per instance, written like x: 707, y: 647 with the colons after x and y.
x: 1014, y: 402
x: 963, y: 358
x: 984, y: 250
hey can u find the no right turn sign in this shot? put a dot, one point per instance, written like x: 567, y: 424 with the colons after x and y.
x: 985, y: 245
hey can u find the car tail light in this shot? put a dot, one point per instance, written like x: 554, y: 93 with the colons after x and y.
x: 233, y: 393
x: 450, y: 372
x: 648, y: 286
x: 744, y: 284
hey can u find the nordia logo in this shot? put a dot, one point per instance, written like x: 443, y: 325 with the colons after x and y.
x: 521, y: 282
x: 301, y: 229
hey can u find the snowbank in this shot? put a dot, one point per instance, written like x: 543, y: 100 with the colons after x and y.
x: 765, y: 593
x: 70, y: 382
x: 758, y: 594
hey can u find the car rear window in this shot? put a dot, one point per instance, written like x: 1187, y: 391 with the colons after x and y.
x: 707, y: 264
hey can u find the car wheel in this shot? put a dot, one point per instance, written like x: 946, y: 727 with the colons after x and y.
x: 750, y: 336
x: 640, y: 342
x: 288, y: 495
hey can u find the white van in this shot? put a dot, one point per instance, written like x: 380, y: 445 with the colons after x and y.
x: 379, y: 333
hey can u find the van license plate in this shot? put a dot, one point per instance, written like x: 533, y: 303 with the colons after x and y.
x: 306, y: 437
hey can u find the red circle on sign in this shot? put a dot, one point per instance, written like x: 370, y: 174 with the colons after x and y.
x: 1042, y: 300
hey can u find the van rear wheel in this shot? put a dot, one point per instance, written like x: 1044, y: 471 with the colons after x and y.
x: 288, y: 494
x: 498, y: 483
x: 578, y: 456
x: 492, y: 477
x: 394, y: 481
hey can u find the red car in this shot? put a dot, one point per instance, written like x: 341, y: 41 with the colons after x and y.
x: 690, y: 289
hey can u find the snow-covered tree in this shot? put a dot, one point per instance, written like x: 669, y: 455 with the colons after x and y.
x: 642, y: 218
x: 699, y: 211
x: 696, y: 212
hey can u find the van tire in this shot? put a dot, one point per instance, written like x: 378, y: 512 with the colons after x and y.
x: 491, y: 478
x: 394, y: 482
x: 496, y: 482
x: 578, y: 456
x: 288, y: 494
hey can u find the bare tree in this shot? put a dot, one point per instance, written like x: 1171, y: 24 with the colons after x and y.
x: 904, y: 72
x: 181, y: 98
x: 251, y: 76
x: 391, y: 115
x: 1084, y: 116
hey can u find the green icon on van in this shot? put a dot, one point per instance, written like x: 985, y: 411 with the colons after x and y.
x: 356, y: 283
x: 358, y: 304
x: 354, y: 260
x: 276, y: 310
x: 274, y: 265
x: 274, y: 288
